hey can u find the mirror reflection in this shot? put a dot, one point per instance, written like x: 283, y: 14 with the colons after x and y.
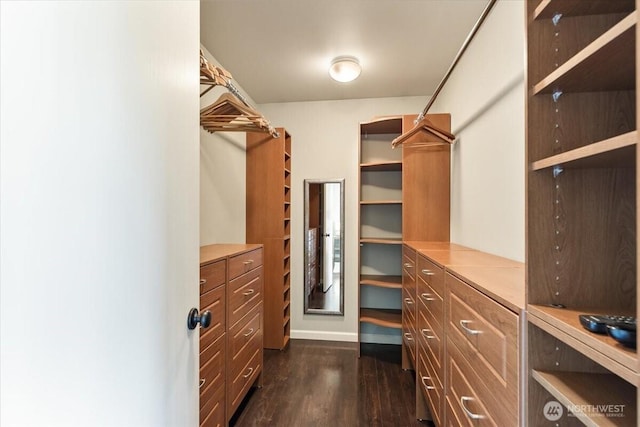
x: 324, y: 246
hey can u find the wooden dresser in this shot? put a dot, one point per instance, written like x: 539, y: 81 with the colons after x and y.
x: 231, y: 288
x: 466, y: 337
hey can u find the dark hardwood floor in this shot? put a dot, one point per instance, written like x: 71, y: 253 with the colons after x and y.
x: 329, y: 300
x: 319, y: 383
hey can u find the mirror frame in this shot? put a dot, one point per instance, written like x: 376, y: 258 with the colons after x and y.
x: 307, y: 183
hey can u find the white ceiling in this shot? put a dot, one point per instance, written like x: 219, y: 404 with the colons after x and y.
x: 280, y: 50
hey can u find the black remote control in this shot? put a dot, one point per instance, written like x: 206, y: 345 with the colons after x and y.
x: 598, y: 322
x: 624, y: 333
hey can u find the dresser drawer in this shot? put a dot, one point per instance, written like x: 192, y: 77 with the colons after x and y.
x: 409, y: 339
x: 245, y: 292
x: 212, y: 411
x: 409, y: 307
x: 466, y: 400
x: 240, y: 264
x: 244, y: 334
x: 431, y: 273
x: 212, y: 368
x: 214, y: 302
x: 485, y: 334
x: 431, y: 386
x: 431, y: 339
x: 241, y: 381
x: 212, y: 275
x: 432, y: 301
x: 408, y: 263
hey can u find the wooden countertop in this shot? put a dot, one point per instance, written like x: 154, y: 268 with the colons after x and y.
x: 210, y: 253
x: 471, y: 257
x: 503, y: 284
x: 500, y: 278
x: 420, y: 245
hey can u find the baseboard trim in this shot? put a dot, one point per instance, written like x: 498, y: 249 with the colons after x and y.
x: 324, y: 336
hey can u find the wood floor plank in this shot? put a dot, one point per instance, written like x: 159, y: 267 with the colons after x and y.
x: 320, y: 383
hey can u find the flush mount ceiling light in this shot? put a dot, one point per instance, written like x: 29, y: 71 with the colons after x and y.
x: 345, y: 69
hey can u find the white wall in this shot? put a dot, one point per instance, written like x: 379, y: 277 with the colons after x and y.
x: 222, y: 177
x: 324, y: 145
x: 486, y: 98
x: 99, y: 223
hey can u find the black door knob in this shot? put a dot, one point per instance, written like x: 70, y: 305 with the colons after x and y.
x: 194, y: 318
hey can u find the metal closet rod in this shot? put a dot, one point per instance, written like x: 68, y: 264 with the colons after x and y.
x: 464, y: 46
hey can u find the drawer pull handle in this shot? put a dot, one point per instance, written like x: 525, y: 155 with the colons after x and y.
x: 470, y: 414
x: 249, y: 292
x: 249, y: 374
x: 427, y: 297
x: 425, y: 332
x: 408, y: 336
x: 407, y: 265
x: 248, y: 262
x: 428, y: 272
x: 203, y: 281
x: 248, y: 333
x: 202, y: 381
x: 408, y: 300
x: 428, y: 387
x: 463, y: 324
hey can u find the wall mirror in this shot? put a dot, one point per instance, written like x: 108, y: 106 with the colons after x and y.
x: 324, y: 246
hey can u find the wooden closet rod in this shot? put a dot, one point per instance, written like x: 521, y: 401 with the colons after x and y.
x: 464, y: 46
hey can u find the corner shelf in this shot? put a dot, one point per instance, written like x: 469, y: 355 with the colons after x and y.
x: 382, y: 240
x: 394, y: 166
x: 380, y: 202
x: 391, y: 282
x: 387, y: 318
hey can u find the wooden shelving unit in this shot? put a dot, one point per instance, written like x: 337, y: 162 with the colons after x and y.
x: 582, y: 114
x: 404, y: 195
x: 380, y: 231
x: 269, y: 223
